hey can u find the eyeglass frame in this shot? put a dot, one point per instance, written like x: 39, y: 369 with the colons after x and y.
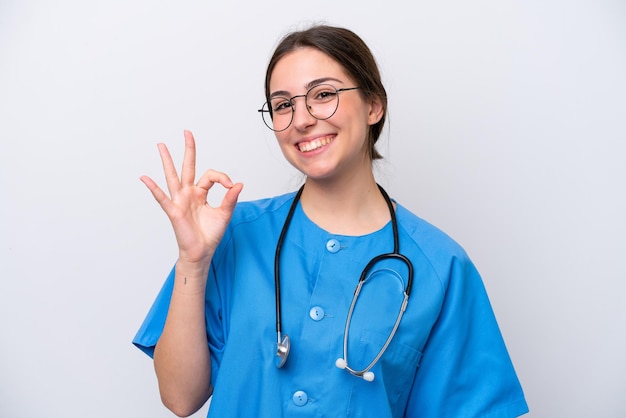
x: 308, y: 108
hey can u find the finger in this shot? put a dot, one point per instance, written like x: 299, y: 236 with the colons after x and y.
x: 188, y: 172
x: 210, y: 177
x: 171, y: 176
x: 230, y: 198
x: 158, y: 194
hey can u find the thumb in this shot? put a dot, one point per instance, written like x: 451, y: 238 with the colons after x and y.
x: 230, y: 198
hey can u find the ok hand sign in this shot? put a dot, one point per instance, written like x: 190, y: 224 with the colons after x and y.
x: 198, y: 226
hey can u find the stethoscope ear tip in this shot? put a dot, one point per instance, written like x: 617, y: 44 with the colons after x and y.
x: 368, y: 376
x: 340, y: 363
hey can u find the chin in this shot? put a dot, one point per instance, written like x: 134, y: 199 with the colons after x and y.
x: 321, y: 175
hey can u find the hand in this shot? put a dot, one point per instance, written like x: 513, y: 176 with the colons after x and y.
x: 198, y: 226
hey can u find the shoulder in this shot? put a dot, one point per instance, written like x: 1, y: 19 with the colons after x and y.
x: 253, y: 222
x: 259, y: 218
x: 434, y: 246
x: 253, y: 210
x: 426, y: 235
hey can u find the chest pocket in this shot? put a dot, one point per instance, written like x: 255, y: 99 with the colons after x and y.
x: 394, y: 372
x: 373, y: 319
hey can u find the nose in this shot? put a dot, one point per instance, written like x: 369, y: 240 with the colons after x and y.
x: 302, y: 118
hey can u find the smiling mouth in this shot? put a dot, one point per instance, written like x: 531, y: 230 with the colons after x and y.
x: 314, y: 144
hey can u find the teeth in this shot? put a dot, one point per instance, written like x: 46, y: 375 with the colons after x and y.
x: 313, y: 145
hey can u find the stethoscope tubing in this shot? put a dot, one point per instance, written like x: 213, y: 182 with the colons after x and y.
x: 346, y: 330
x: 279, y: 246
x: 283, y: 343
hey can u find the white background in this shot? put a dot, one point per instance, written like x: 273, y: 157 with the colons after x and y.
x: 507, y: 130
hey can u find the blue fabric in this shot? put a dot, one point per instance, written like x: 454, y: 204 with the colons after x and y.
x: 448, y: 358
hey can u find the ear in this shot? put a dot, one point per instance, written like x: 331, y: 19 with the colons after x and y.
x: 376, y: 111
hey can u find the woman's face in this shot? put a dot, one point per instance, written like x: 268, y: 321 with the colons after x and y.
x: 331, y: 148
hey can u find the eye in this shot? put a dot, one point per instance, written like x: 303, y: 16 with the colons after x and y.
x: 322, y: 93
x: 281, y: 105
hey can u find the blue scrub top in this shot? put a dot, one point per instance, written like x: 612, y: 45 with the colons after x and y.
x: 447, y: 359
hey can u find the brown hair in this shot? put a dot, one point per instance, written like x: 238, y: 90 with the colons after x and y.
x: 349, y: 50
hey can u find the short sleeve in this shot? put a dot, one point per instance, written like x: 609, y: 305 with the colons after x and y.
x: 466, y: 369
x: 152, y: 326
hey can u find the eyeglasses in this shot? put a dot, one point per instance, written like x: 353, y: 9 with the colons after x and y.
x: 321, y: 101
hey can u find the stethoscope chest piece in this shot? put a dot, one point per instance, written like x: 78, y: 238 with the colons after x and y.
x: 282, y: 351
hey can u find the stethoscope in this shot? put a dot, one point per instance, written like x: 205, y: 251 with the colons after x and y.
x: 283, y: 344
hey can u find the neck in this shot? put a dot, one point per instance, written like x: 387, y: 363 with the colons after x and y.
x: 353, y: 207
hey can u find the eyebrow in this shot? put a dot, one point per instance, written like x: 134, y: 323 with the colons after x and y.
x: 306, y: 86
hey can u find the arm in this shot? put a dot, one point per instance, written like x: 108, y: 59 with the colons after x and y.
x: 181, y: 357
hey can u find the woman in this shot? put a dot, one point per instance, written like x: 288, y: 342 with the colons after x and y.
x: 297, y: 258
